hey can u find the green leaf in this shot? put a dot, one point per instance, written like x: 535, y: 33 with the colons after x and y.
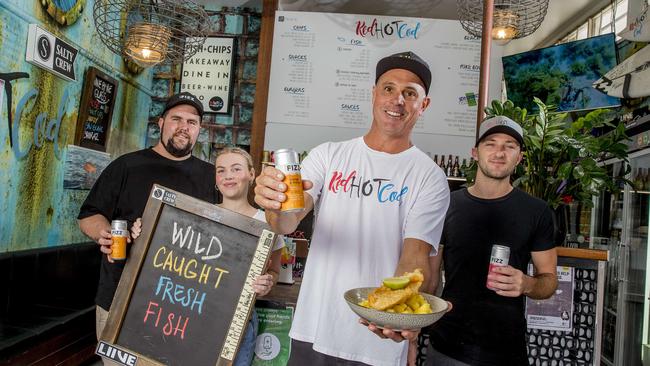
x: 498, y: 109
x: 565, y: 170
x: 578, y: 172
x: 535, y: 141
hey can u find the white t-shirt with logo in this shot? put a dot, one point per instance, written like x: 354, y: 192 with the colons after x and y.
x: 366, y: 203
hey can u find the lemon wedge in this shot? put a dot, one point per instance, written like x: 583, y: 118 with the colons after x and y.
x: 396, y: 283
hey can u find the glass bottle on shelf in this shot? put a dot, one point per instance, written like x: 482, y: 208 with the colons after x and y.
x: 449, y: 167
x: 435, y: 158
x: 637, y: 179
x: 455, y: 170
x: 442, y: 163
x: 463, y: 167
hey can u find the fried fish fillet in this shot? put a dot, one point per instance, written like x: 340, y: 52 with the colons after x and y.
x: 416, y: 278
x: 383, y: 298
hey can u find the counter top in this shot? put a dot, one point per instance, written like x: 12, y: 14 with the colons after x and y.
x: 283, y: 293
x: 593, y: 254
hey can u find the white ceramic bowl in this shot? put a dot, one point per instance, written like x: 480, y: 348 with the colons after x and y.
x: 395, y: 321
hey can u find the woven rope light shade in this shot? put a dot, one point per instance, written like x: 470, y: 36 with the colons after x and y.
x: 512, y: 19
x: 151, y: 31
x: 146, y: 43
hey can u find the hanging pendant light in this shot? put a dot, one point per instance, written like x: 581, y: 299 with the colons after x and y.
x: 147, y: 44
x: 149, y: 32
x: 505, y: 26
x: 512, y: 19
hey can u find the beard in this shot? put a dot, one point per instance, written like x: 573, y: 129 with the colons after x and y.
x: 178, y: 152
x: 493, y: 175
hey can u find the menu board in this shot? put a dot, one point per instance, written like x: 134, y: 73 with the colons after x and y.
x: 323, y: 69
x: 186, y: 292
x: 96, y: 109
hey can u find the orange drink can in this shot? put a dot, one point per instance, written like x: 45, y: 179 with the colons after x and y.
x: 287, y: 161
x: 119, y: 234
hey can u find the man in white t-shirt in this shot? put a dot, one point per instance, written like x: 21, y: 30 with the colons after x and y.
x: 379, y: 205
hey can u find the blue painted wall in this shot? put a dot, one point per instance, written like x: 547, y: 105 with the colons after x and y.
x: 35, y: 210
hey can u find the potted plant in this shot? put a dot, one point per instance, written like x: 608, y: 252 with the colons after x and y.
x: 561, y: 156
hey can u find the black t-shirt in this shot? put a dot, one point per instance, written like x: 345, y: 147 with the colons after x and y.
x: 484, y: 328
x: 122, y: 191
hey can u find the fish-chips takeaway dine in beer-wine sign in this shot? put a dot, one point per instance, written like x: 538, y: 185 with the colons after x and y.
x: 186, y: 293
x: 209, y: 74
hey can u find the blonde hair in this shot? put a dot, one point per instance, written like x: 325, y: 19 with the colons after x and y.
x: 236, y: 150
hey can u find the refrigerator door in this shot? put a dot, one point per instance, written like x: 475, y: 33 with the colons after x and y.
x: 606, y: 233
x: 632, y: 319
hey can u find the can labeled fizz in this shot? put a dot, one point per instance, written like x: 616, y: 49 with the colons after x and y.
x: 119, y: 233
x: 499, y: 258
x: 287, y: 161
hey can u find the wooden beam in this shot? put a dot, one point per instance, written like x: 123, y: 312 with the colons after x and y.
x: 593, y: 254
x: 484, y: 77
x: 262, y: 82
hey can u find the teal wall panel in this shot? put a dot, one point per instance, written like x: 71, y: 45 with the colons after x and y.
x: 35, y: 210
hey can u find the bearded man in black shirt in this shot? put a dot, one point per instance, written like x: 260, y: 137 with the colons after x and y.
x: 487, y: 326
x: 122, y: 190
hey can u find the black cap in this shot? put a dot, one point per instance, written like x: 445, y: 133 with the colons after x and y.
x: 184, y: 98
x: 407, y: 61
x: 501, y: 124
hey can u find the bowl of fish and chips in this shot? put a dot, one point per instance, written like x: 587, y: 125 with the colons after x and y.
x: 397, y: 304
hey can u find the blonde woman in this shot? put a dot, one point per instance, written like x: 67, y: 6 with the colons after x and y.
x: 234, y: 176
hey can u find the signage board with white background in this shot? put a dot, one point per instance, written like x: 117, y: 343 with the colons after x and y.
x: 47, y: 51
x: 323, y: 71
x: 208, y: 74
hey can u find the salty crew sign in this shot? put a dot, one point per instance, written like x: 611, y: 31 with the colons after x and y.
x: 51, y: 53
x: 209, y: 74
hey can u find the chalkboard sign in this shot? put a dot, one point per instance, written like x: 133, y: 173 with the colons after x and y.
x: 96, y: 109
x: 185, y: 295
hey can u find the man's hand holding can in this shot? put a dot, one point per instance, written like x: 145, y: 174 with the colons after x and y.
x: 270, y: 189
x: 105, y: 241
x: 113, y: 242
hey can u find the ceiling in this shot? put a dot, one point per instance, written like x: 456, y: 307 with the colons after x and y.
x: 562, y: 15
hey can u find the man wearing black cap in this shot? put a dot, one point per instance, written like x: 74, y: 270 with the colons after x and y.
x: 380, y: 204
x: 122, y: 190
x: 486, y: 325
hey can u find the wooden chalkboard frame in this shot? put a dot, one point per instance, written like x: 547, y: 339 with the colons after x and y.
x: 84, y: 107
x: 159, y: 197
